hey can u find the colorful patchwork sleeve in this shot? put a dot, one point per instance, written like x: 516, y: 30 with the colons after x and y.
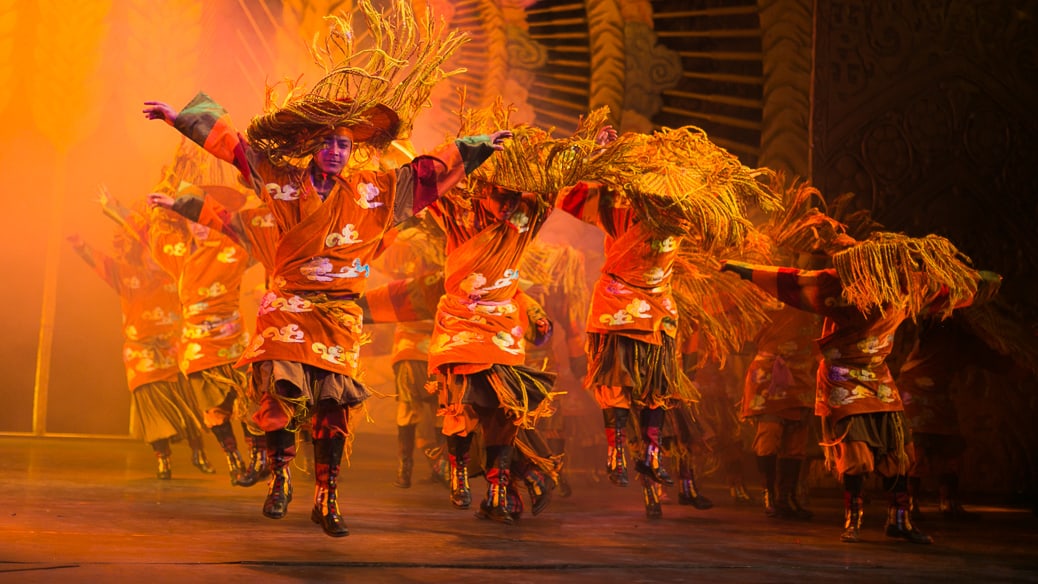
x: 803, y: 289
x: 208, y: 124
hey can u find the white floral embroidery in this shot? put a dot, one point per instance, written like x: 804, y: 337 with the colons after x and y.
x: 367, y: 193
x: 348, y: 236
x: 282, y: 192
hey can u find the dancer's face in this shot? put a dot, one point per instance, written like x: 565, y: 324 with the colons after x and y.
x: 334, y: 154
x: 500, y: 203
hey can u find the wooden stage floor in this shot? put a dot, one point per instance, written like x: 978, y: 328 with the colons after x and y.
x: 90, y: 510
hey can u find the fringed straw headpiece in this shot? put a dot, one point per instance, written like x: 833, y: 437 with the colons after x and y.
x: 534, y: 161
x: 680, y: 183
x: 375, y: 83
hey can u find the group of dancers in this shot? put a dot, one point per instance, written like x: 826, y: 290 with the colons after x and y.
x: 687, y: 279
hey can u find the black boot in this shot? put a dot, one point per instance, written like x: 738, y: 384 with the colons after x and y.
x: 788, y: 505
x: 651, y: 463
x: 949, y: 504
x: 458, y: 456
x: 405, y: 454
x: 768, y: 467
x: 198, y: 457
x: 327, y: 458
x: 258, y: 467
x: 496, y: 506
x: 689, y: 493
x: 225, y: 436
x: 540, y: 487
x: 439, y: 464
x: 616, y: 440
x: 201, y: 461
x: 281, y: 449
x: 739, y: 494
x: 652, y: 492
x: 899, y: 522
x: 164, y: 455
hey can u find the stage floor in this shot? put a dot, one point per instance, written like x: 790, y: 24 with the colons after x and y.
x: 90, y: 510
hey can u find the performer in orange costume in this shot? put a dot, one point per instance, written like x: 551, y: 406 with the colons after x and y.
x: 305, y: 354
x: 165, y: 410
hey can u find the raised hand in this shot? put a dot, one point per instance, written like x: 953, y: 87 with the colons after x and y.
x: 160, y: 200
x: 606, y: 135
x: 157, y: 110
x: 104, y: 197
x: 497, y: 139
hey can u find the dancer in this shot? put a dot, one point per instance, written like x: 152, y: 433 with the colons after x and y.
x: 304, y: 356
x: 778, y: 396
x: 163, y: 406
x: 632, y: 321
x: 208, y: 268
x: 876, y: 284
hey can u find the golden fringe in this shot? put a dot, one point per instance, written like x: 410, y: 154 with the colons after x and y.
x: 549, y: 465
x: 534, y: 161
x: 803, y: 225
x: 519, y: 408
x: 397, y: 70
x: 680, y: 183
x: 891, y: 269
x: 724, y: 312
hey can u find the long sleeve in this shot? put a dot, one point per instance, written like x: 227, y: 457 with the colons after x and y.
x: 810, y: 290
x: 206, y: 123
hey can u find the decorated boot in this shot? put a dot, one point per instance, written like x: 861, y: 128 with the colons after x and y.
x: 327, y: 458
x: 496, y: 506
x: 688, y: 493
x: 281, y: 449
x: 540, y: 486
x: 258, y: 467
x: 163, y: 455
x: 852, y: 509
x: 651, y: 463
x: 787, y: 503
x: 616, y: 441
x: 853, y: 504
x: 899, y: 521
x: 225, y: 436
x: 198, y: 457
x: 652, y: 493
x: 768, y: 467
x: 458, y: 456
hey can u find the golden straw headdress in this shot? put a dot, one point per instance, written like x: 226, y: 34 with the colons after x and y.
x: 534, y: 161
x: 376, y: 81
x: 682, y: 184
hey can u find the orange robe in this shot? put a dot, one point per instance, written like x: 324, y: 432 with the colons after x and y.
x: 321, y: 263
x: 150, y: 314
x: 632, y: 296
x: 209, y: 275
x: 780, y: 380
x: 479, y: 323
